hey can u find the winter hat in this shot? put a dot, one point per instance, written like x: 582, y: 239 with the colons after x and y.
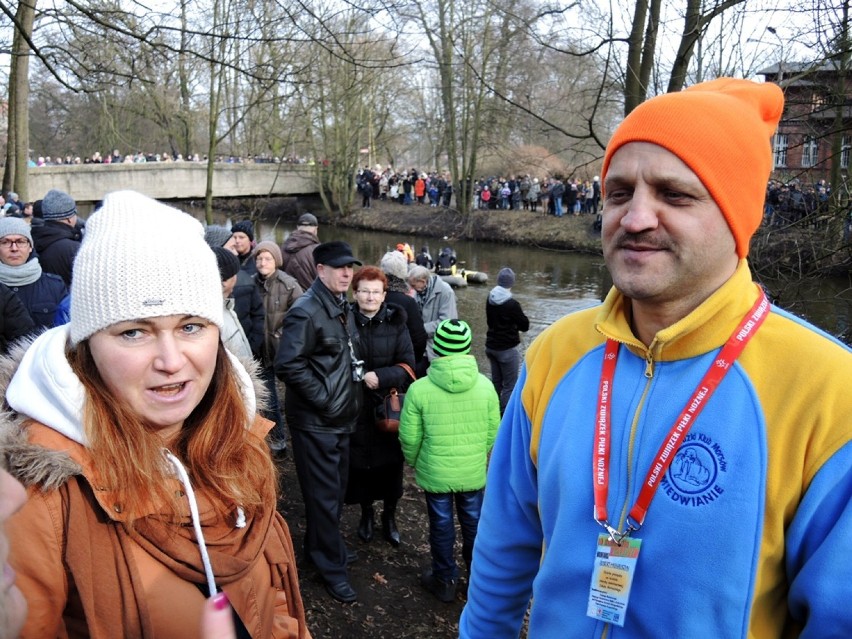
x: 245, y: 226
x: 721, y: 130
x: 58, y: 205
x: 270, y: 247
x: 127, y: 268
x: 15, y: 226
x: 506, y: 277
x: 307, y: 219
x: 334, y: 254
x: 452, y: 337
x: 228, y: 263
x: 394, y: 263
x: 216, y: 235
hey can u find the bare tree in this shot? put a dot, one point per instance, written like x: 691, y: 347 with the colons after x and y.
x: 18, y: 141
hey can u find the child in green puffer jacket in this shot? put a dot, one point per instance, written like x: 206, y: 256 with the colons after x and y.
x: 447, y: 428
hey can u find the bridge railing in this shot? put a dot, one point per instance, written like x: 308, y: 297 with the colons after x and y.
x: 171, y: 180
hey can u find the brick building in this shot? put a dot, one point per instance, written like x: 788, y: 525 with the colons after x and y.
x: 813, y: 120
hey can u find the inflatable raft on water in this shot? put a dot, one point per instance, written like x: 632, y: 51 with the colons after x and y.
x: 462, y: 277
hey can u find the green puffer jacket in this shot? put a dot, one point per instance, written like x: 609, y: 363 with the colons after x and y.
x: 448, y: 425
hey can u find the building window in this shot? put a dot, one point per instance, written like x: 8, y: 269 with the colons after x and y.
x: 809, y: 152
x: 779, y: 149
x: 845, y: 143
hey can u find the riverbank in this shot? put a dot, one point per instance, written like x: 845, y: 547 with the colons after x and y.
x: 792, y: 253
x: 507, y: 227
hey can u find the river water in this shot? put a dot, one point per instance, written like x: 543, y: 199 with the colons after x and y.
x: 552, y: 283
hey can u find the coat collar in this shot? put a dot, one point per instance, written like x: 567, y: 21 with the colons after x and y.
x: 704, y: 329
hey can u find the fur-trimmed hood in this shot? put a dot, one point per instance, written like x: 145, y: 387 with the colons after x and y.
x: 38, y: 385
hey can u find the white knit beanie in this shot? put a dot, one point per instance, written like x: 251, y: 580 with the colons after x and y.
x: 140, y: 259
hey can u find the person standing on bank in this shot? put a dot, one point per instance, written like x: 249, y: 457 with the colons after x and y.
x: 242, y: 233
x: 448, y: 424
x: 297, y: 252
x: 135, y: 432
x: 40, y: 292
x: 375, y: 458
x: 278, y: 291
x: 505, y: 319
x: 399, y: 294
x: 232, y: 334
x: 319, y: 361
x: 732, y: 415
x: 58, y: 239
x: 247, y: 300
x: 437, y: 302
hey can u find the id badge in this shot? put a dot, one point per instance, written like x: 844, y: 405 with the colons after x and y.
x: 612, y: 579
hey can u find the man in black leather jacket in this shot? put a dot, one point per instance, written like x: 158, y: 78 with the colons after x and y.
x: 319, y: 361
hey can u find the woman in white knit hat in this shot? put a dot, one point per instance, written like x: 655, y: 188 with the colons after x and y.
x: 150, y: 485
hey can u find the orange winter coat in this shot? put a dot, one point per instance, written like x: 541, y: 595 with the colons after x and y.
x: 420, y: 187
x: 85, y: 575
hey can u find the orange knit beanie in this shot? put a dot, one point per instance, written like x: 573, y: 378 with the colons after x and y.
x: 721, y: 130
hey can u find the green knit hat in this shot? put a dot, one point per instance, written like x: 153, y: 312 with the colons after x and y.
x: 452, y: 337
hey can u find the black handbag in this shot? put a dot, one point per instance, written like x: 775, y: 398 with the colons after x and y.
x: 390, y: 408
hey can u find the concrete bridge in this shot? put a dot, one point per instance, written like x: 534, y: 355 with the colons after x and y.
x: 172, y: 180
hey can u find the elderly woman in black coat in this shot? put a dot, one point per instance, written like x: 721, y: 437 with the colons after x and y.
x: 375, y: 457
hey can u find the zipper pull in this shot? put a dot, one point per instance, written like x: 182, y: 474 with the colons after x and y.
x: 649, y: 365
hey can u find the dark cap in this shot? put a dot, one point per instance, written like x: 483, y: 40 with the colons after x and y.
x: 334, y: 254
x: 228, y: 263
x: 244, y: 226
x: 307, y: 219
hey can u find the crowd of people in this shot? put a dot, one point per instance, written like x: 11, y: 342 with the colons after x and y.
x: 143, y: 157
x: 407, y: 187
x: 550, y: 195
x: 148, y: 451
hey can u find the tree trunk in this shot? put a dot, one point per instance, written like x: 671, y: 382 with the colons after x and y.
x: 18, y: 144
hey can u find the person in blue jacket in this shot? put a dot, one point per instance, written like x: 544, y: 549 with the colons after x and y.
x: 41, y: 292
x: 678, y: 461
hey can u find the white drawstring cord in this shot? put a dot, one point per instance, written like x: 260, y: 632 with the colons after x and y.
x: 196, y: 520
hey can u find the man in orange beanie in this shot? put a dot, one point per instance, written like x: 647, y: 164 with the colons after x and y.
x: 678, y: 460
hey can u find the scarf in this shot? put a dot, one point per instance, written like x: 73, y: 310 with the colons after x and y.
x: 426, y: 293
x: 397, y: 284
x: 26, y: 273
x: 99, y: 555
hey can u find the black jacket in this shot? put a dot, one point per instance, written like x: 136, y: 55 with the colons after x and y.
x: 248, y: 305
x: 314, y: 362
x: 414, y: 321
x: 15, y: 321
x: 504, y: 322
x: 57, y: 245
x: 384, y: 343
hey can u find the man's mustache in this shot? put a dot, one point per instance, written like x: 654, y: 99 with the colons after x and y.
x: 645, y: 239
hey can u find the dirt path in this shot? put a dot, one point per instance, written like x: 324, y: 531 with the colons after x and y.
x: 391, y: 603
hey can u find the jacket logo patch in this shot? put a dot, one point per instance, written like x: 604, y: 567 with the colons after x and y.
x: 694, y: 478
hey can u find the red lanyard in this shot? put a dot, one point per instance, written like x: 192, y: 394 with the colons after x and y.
x: 665, y: 455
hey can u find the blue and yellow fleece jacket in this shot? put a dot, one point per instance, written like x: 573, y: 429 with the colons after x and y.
x: 750, y: 532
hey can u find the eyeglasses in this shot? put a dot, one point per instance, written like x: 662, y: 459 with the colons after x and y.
x: 7, y: 243
x: 366, y: 293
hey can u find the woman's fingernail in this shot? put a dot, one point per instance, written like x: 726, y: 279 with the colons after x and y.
x: 220, y: 601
